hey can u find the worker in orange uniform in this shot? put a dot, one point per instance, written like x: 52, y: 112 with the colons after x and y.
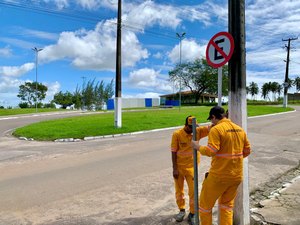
x: 227, y: 145
x: 183, y: 165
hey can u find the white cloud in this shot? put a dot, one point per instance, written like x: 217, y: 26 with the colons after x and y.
x: 148, y: 95
x: 158, y: 55
x: 190, y: 50
x: 5, y: 52
x: 16, y: 70
x: 53, y: 88
x: 148, y: 79
x: 10, y: 85
x: 37, y: 33
x: 60, y: 4
x: 267, y: 23
x: 267, y: 58
x: 95, y: 49
x: 210, y: 9
x: 143, y: 95
x: 17, y: 42
x: 149, y: 13
x: 95, y: 4
x: 9, y: 88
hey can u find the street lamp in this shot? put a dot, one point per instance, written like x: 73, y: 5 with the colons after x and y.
x: 181, y: 37
x: 36, y: 50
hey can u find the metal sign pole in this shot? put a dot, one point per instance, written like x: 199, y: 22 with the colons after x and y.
x: 220, y: 86
x: 195, y: 175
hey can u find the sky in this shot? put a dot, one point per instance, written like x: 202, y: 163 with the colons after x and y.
x: 78, y: 42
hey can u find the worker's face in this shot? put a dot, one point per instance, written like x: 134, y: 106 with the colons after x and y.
x: 213, y: 120
x: 188, y: 129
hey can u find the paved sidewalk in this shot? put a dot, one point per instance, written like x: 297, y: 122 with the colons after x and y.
x: 283, y: 206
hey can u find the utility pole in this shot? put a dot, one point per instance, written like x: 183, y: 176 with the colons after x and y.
x: 36, y: 50
x: 118, y: 98
x: 237, y: 98
x: 286, y: 84
x: 181, y: 37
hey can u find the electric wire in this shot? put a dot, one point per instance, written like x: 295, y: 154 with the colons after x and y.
x: 69, y: 15
x: 167, y: 34
x: 43, y: 10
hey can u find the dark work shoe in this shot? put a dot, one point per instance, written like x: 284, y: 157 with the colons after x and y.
x: 179, y: 217
x: 191, y: 219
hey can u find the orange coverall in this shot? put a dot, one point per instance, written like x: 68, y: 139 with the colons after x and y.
x: 181, y: 144
x: 227, y: 145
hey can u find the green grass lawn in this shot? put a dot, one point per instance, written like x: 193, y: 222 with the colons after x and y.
x: 103, y: 124
x: 7, y: 112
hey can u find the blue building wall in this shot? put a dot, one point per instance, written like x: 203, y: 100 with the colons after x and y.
x: 148, y: 102
x: 172, y: 102
x: 110, y: 104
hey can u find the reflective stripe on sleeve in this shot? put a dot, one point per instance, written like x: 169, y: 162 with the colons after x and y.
x: 173, y: 150
x: 180, y: 197
x: 225, y: 207
x: 230, y: 156
x: 202, y: 210
x: 212, y: 149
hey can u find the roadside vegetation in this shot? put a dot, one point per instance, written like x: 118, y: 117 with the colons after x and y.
x: 18, y: 111
x: 132, y: 121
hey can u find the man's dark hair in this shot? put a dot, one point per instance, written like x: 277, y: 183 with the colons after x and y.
x: 186, y: 120
x: 217, y: 111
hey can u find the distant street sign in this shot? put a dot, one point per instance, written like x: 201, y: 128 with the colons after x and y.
x: 286, y: 84
x: 219, y: 49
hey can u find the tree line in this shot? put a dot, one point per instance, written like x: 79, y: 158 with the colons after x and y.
x: 197, y: 76
x: 92, y: 95
x: 201, y: 78
x: 274, y: 88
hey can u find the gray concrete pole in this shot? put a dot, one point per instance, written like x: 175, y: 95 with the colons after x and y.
x: 220, y: 86
x: 36, y: 50
x: 237, y: 98
x: 285, y: 85
x: 180, y: 36
x: 118, y: 98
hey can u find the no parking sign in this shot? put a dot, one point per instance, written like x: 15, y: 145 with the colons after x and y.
x: 219, y: 49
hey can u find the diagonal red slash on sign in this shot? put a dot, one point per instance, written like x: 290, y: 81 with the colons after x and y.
x: 219, y: 50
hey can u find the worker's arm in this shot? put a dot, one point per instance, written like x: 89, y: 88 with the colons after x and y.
x: 247, y: 147
x: 213, y: 144
x: 174, y: 148
x: 174, y: 163
x: 204, y: 150
x: 202, y: 131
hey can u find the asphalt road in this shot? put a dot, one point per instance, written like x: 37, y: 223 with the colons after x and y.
x: 123, y: 180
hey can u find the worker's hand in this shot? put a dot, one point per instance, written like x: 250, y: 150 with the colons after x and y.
x: 195, y: 145
x: 175, y: 173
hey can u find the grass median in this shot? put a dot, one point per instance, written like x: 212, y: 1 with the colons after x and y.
x: 8, y: 112
x: 103, y: 124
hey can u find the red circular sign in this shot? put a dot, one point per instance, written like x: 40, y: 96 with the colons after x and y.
x: 219, y: 49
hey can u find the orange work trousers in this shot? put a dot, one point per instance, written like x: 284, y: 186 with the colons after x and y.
x: 214, y: 188
x: 188, y: 175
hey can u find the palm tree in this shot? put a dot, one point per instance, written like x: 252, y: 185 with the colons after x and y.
x: 290, y: 83
x: 274, y: 86
x: 279, y: 90
x: 265, y: 89
x: 252, y: 89
x: 297, y: 83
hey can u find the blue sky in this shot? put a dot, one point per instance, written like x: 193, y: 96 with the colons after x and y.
x: 78, y: 39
